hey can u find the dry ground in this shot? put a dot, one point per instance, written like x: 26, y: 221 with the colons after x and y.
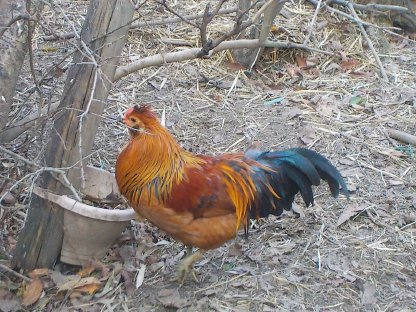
x: 338, y: 255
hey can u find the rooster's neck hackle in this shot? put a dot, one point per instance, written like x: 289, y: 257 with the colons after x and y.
x: 150, y: 164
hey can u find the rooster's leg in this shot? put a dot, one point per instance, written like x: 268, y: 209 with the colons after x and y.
x: 188, y: 250
x: 186, y: 266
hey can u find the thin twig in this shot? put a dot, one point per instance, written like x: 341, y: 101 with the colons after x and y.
x: 12, y: 21
x: 369, y: 42
x: 312, y: 24
x: 60, y: 171
x: 30, y: 27
x: 6, y: 268
x: 351, y: 18
x: 183, y: 18
x: 134, y: 26
x: 373, y: 7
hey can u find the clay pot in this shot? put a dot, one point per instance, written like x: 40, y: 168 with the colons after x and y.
x: 89, y: 231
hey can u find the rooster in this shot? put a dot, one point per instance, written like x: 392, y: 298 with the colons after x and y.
x: 202, y: 200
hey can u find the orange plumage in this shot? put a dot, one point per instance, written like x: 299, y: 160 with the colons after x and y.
x: 202, y: 200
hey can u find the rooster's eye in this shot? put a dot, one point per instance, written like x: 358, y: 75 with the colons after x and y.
x: 133, y: 119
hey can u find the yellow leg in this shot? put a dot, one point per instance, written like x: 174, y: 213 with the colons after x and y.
x: 186, y: 266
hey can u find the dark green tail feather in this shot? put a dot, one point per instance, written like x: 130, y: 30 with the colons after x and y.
x: 295, y: 170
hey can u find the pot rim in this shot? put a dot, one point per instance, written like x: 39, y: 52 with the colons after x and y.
x: 85, y: 210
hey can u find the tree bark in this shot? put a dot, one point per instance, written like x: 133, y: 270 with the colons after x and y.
x: 249, y: 57
x: 13, y: 48
x: 86, y: 89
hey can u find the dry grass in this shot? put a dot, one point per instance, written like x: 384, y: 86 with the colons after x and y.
x: 287, y: 264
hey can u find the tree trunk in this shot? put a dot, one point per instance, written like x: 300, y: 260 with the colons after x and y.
x: 249, y: 57
x: 13, y: 47
x: 86, y: 89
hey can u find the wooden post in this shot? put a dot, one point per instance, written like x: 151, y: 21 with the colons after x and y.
x: 103, y: 37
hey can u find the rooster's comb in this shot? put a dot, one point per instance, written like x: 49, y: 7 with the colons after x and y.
x: 142, y: 110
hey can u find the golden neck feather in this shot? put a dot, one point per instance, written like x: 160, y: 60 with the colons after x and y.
x: 149, y: 165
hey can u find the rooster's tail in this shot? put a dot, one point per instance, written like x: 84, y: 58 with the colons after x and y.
x: 292, y: 171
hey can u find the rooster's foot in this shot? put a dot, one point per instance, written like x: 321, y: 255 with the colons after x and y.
x: 186, y: 267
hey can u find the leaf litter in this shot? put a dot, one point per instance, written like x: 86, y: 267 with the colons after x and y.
x: 335, y: 257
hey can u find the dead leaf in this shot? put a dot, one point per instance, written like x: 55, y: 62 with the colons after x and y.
x: 275, y: 29
x: 292, y: 113
x: 332, y: 67
x: 86, y: 271
x: 352, y: 188
x: 140, y: 276
x: 170, y: 298
x: 298, y: 209
x: 396, y: 182
x: 367, y: 292
x: 58, y: 278
x: 39, y: 272
x: 327, y: 108
x: 87, y: 284
x: 234, y: 66
x: 336, y: 45
x: 307, y: 135
x: 346, y: 161
x: 349, y: 212
x: 8, y: 301
x: 32, y: 292
x: 313, y: 72
x: 301, y: 60
x: 293, y: 71
x: 99, y: 266
x: 349, y: 64
x: 89, y: 288
x: 321, y: 25
x: 235, y: 250
x: 360, y: 74
x: 352, y: 172
x: 128, y: 281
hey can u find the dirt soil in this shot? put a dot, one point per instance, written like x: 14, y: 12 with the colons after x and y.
x: 339, y: 255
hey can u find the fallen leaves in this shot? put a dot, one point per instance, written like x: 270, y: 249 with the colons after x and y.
x: 32, y: 292
x: 349, y: 64
x: 140, y: 276
x: 234, y: 66
x: 367, y: 292
x: 351, y: 210
x: 8, y: 301
x: 88, y: 285
x: 39, y: 272
x: 307, y: 135
x: 170, y: 298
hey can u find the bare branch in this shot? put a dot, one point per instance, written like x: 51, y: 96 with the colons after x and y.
x: 373, y: 7
x: 239, y: 26
x: 203, y: 29
x: 193, y: 53
x: 315, y: 15
x: 402, y: 136
x: 60, y: 171
x: 351, y: 18
x: 183, y: 18
x: 12, y: 21
x: 23, y: 277
x: 369, y: 42
x: 31, y: 66
x: 133, y: 26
